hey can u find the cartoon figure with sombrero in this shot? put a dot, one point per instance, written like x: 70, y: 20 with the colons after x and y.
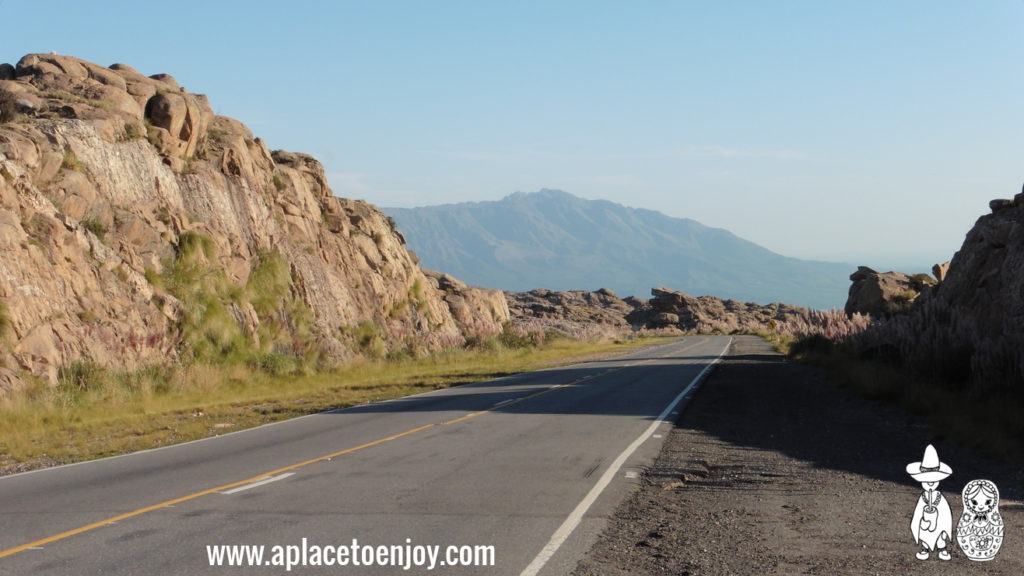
x: 932, y: 524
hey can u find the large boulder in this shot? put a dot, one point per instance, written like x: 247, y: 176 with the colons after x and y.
x: 884, y: 293
x: 178, y: 121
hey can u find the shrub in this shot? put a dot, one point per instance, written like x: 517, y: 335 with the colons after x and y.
x: 269, y: 283
x: 132, y: 132
x: 516, y: 336
x: 808, y: 345
x: 5, y: 320
x: 81, y: 375
x: 95, y: 226
x: 71, y: 162
x: 278, y: 181
x: 276, y: 364
x: 8, y: 107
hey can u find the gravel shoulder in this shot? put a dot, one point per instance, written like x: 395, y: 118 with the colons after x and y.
x: 774, y: 470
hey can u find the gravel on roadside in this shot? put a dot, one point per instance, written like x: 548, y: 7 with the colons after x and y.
x: 774, y: 470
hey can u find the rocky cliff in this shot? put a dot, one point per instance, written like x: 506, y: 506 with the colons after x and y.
x: 138, y: 228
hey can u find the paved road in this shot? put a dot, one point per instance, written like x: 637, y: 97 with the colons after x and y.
x: 530, y: 465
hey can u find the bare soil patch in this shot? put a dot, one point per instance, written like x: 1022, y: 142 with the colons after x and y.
x: 774, y: 470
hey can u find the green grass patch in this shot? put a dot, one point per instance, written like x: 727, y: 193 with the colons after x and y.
x: 212, y: 305
x: 95, y: 412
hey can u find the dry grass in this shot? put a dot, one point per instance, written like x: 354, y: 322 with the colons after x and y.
x: 933, y: 361
x: 95, y: 413
x: 987, y: 421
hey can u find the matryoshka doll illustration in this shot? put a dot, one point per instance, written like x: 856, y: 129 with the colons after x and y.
x: 980, y: 530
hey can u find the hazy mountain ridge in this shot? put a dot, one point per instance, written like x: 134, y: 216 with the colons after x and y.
x: 552, y: 239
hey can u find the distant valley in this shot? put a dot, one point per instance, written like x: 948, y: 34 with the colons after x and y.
x: 552, y: 239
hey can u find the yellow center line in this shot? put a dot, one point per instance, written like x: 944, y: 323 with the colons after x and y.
x: 193, y: 496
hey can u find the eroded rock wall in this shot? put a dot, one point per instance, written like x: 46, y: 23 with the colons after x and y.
x: 105, y: 173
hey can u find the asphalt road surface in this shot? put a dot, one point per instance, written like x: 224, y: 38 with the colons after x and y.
x: 523, y: 470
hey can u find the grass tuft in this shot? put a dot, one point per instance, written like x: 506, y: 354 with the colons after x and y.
x: 95, y: 226
x: 278, y: 182
x: 71, y: 162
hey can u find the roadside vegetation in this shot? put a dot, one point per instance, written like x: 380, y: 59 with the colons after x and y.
x: 94, y: 412
x: 970, y: 389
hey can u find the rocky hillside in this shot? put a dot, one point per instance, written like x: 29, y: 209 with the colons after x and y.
x: 552, y: 239
x: 139, y: 228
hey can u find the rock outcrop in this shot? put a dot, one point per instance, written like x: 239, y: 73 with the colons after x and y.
x: 708, y: 314
x: 136, y: 226
x: 885, y: 293
x: 669, y: 310
x: 480, y: 313
x: 967, y: 329
x: 984, y: 291
x: 600, y: 307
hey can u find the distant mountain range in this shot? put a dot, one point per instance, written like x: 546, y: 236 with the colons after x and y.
x: 552, y: 239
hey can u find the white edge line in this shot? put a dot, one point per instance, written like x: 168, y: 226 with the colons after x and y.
x: 259, y: 483
x: 576, y: 516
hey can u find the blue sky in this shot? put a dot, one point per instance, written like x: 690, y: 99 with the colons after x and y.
x: 865, y: 132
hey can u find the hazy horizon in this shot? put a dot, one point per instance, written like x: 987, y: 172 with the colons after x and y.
x: 909, y: 263
x: 870, y: 133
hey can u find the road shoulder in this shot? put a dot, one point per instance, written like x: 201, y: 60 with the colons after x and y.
x: 772, y: 469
